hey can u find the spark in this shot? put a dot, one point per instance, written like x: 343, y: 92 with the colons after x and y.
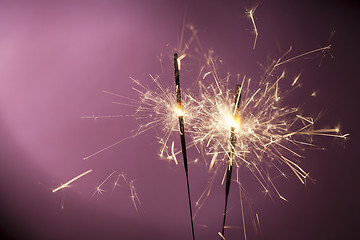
x: 303, y: 54
x: 206, y: 75
x: 242, y: 210
x: 221, y: 235
x: 172, y: 152
x: 257, y: 224
x: 119, y: 176
x: 104, y: 117
x: 108, y: 147
x: 179, y: 60
x: 250, y: 13
x: 62, y: 207
x: 314, y: 93
x: 72, y: 180
x: 134, y: 197
x: 296, y: 79
x: 116, y: 183
x: 98, y: 188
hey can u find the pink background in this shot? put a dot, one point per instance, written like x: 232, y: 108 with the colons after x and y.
x: 56, y: 57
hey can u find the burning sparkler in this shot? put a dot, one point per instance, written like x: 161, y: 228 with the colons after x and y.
x: 182, y: 133
x: 231, y: 154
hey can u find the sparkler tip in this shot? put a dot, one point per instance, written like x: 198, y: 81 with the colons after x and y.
x: 179, y: 111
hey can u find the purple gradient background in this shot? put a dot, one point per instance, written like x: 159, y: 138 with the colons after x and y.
x: 57, y: 56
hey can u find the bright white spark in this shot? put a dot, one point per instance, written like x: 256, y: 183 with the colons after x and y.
x: 72, y: 180
x: 251, y: 15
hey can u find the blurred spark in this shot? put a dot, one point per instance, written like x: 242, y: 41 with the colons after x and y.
x: 250, y: 13
x: 134, y: 197
x: 296, y: 79
x: 222, y: 236
x: 323, y: 49
x: 70, y: 181
x: 173, y: 154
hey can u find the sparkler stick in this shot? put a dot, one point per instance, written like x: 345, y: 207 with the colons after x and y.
x: 231, y: 154
x: 182, y: 133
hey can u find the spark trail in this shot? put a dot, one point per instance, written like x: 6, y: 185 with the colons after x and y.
x: 250, y: 13
x: 70, y: 181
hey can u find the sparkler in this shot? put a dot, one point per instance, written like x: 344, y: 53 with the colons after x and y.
x: 182, y: 133
x: 231, y: 154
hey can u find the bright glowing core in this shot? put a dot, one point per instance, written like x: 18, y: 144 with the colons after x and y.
x: 233, y: 122
x: 179, y: 112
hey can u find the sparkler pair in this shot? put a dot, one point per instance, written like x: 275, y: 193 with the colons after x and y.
x: 232, y: 141
x: 265, y: 143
